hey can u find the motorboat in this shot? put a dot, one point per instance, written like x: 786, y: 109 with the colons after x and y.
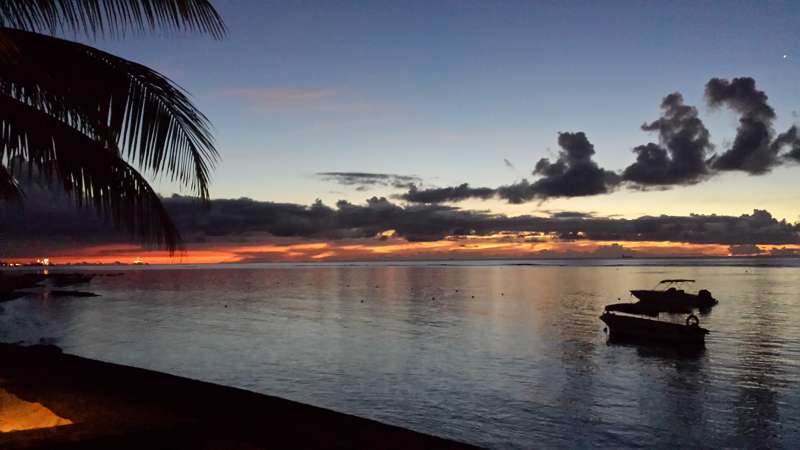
x: 667, y: 294
x: 636, y: 320
x: 625, y: 326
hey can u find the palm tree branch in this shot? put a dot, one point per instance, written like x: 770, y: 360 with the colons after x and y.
x: 89, y: 171
x: 149, y: 117
x: 9, y: 189
x: 111, y: 17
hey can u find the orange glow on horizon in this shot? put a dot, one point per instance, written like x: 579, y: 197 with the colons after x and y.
x: 497, y: 246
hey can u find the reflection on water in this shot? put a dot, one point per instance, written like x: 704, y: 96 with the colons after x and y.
x: 503, y: 356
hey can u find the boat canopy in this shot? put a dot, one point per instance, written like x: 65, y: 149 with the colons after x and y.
x: 678, y: 280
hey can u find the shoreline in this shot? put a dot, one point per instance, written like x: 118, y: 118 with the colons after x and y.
x: 116, y: 406
x: 792, y: 261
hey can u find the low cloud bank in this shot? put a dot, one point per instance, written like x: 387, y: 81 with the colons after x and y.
x: 47, y: 218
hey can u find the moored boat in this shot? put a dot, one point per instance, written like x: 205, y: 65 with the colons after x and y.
x: 671, y: 296
x: 639, y: 328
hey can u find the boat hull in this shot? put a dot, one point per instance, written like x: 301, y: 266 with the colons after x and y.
x: 648, y: 309
x: 621, y: 326
x: 674, y: 298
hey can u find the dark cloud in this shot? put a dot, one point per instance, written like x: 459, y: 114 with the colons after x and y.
x: 516, y: 193
x: 789, y: 140
x: 756, y: 228
x: 48, y: 209
x: 751, y: 151
x: 446, y: 194
x: 681, y: 156
x: 432, y: 222
x: 572, y: 174
x: 233, y: 220
x: 366, y: 180
x: 48, y: 220
x: 744, y: 250
x: 571, y: 215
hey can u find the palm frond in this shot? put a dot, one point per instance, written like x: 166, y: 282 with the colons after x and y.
x: 9, y: 189
x: 90, y: 172
x: 8, y: 52
x: 111, y: 17
x: 148, y: 117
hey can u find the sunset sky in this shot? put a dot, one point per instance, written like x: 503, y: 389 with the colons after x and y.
x: 399, y: 101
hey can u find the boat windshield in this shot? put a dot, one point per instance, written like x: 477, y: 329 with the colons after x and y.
x: 669, y: 283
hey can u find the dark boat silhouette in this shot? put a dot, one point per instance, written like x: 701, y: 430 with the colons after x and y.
x: 628, y: 321
x: 640, y: 329
x: 670, y: 296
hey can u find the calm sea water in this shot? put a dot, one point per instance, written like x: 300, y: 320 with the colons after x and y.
x: 500, y: 355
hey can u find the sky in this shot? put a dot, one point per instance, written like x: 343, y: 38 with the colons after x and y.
x: 353, y: 100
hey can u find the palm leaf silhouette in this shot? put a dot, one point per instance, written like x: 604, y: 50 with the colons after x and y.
x: 92, y: 173
x: 8, y: 186
x: 102, y: 17
x: 150, y: 118
x: 76, y: 113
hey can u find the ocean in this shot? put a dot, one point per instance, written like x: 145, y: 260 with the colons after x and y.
x: 502, y: 354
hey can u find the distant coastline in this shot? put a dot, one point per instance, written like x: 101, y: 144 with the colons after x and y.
x: 744, y: 261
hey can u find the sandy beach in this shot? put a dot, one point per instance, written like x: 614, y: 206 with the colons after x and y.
x: 101, y: 405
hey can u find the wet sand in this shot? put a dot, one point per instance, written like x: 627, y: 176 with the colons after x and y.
x: 114, y: 406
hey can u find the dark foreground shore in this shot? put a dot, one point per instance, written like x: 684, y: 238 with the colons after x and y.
x: 120, y: 407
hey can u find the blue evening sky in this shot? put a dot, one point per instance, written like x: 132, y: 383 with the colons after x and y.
x: 446, y: 90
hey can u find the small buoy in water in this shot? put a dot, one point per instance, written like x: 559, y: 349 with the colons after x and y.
x: 362, y: 301
x: 502, y: 293
x: 473, y: 296
x: 226, y: 306
x: 433, y: 298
